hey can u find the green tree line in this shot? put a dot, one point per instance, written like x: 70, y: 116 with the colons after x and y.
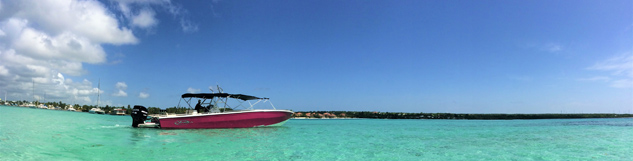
x: 352, y: 114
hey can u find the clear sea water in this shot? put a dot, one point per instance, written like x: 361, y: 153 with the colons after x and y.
x: 37, y: 134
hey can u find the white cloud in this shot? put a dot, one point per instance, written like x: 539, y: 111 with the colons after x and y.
x: 188, y: 26
x: 41, y: 41
x: 56, y: 87
x: 59, y: 80
x: 143, y: 95
x: 621, y: 65
x: 120, y: 93
x: 65, y: 46
x: 44, y: 41
x: 621, y: 69
x: 89, y: 19
x: 145, y: 19
x: 121, y: 87
x: 192, y: 90
x: 4, y: 71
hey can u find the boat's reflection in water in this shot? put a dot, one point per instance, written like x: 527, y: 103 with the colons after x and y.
x: 188, y: 136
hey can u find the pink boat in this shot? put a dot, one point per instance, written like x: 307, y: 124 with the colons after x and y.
x: 212, y: 111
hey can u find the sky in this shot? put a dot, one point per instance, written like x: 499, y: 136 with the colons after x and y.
x: 541, y: 56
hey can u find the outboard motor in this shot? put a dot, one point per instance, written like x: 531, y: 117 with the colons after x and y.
x: 139, y: 115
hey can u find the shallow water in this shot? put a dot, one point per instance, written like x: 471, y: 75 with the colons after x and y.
x: 37, y: 134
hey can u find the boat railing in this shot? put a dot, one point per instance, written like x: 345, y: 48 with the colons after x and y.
x: 164, y: 113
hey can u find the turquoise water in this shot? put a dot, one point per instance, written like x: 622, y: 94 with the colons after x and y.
x: 38, y: 134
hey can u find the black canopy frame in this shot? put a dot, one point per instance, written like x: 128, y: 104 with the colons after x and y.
x: 213, y: 95
x: 220, y: 100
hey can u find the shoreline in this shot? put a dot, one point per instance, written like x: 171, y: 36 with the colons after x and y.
x: 449, y: 116
x: 348, y: 115
x: 308, y: 118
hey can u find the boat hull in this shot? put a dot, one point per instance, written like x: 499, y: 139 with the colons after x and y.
x: 238, y: 119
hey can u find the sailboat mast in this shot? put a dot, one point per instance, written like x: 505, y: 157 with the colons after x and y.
x: 33, y: 88
x: 98, y: 92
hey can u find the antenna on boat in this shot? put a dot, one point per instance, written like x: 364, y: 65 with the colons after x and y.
x: 219, y: 89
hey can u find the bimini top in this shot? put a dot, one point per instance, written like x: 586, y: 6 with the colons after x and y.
x: 213, y: 95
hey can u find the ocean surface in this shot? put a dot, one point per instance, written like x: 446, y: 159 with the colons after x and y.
x: 39, y: 134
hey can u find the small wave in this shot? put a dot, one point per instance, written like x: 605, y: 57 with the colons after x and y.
x: 599, y: 123
x: 108, y: 127
x: 167, y: 133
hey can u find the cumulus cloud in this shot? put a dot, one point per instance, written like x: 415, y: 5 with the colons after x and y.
x: 88, y: 19
x: 145, y: 19
x: 121, y: 87
x: 146, y: 16
x: 621, y: 69
x: 143, y: 95
x: 55, y: 87
x: 41, y: 41
x: 4, y: 71
x: 120, y: 93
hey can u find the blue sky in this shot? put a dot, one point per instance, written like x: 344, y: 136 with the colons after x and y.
x: 397, y: 56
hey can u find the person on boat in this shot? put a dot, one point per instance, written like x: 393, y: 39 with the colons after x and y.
x: 198, y: 107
